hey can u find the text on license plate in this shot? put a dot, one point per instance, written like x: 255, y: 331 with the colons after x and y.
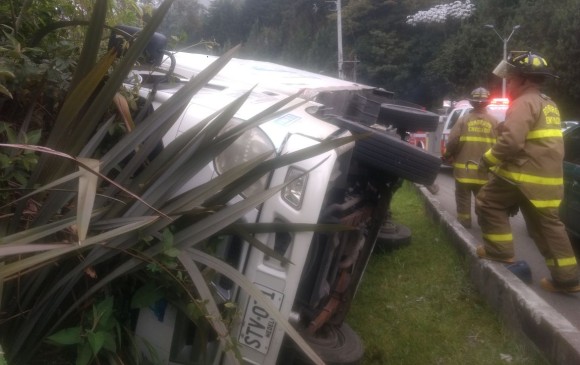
x: 258, y: 326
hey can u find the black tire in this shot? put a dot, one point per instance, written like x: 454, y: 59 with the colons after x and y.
x: 389, y: 154
x: 408, y: 118
x: 393, y: 236
x: 398, y: 162
x: 336, y: 345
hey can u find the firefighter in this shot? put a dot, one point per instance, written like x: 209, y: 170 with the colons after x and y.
x: 527, y: 164
x: 469, y: 139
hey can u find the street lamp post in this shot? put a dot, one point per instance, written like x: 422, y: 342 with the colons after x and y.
x: 505, y: 42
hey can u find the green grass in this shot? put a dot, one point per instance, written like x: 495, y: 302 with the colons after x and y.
x: 417, y: 306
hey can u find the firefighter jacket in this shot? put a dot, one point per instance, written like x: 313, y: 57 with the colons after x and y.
x: 530, y: 148
x: 469, y: 139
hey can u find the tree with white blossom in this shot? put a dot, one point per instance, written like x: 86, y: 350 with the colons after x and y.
x: 441, y: 13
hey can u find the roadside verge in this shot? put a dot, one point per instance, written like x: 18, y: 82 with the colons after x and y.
x: 519, y: 306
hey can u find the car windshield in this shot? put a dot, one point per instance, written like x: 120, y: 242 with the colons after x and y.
x: 497, y: 113
x: 454, y: 117
x: 498, y: 107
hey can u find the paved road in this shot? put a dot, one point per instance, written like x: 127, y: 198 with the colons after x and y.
x: 567, y: 305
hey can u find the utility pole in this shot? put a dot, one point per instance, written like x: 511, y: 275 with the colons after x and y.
x: 339, y: 32
x: 505, y: 42
x: 339, y: 35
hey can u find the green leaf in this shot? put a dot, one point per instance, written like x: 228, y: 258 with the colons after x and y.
x: 195, y: 311
x: 67, y: 336
x: 104, y: 310
x: 4, y: 73
x: 167, y: 238
x: 171, y: 252
x: 85, y: 354
x: 86, y: 196
x: 2, y: 358
x: 33, y: 137
x: 145, y: 296
x: 109, y: 325
x: 93, y: 36
x: 110, y: 344
x: 20, y: 178
x: 10, y: 135
x: 64, y: 125
x: 5, y: 91
x: 5, y: 161
x: 96, y: 340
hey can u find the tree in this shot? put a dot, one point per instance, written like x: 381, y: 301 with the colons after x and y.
x: 421, y: 49
x: 184, y: 23
x: 222, y: 23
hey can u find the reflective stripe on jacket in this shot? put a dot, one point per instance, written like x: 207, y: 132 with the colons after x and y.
x: 470, y: 137
x: 530, y: 148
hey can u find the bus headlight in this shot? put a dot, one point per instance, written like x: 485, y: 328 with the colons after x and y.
x: 248, y: 146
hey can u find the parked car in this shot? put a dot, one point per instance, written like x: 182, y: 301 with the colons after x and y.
x: 351, y: 185
x: 497, y: 108
x: 566, y: 124
x: 570, y: 206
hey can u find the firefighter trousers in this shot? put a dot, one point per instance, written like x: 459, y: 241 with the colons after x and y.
x: 463, y: 194
x: 492, y: 205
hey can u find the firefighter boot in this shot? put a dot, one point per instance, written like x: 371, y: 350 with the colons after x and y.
x: 465, y: 222
x: 555, y: 287
x: 464, y: 219
x: 482, y: 254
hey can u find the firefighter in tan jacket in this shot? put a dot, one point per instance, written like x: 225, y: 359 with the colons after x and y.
x: 469, y: 139
x: 528, y: 159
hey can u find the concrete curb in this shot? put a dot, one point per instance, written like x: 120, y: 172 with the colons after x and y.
x: 518, y: 305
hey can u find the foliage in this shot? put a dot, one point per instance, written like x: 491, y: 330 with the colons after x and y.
x: 40, y: 42
x: 16, y: 165
x: 4, y: 75
x: 109, y: 216
x: 222, y: 23
x: 183, y: 23
x: 97, y: 334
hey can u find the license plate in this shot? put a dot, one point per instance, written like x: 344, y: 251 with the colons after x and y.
x: 258, y: 326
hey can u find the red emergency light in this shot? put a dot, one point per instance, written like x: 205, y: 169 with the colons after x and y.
x: 500, y: 102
